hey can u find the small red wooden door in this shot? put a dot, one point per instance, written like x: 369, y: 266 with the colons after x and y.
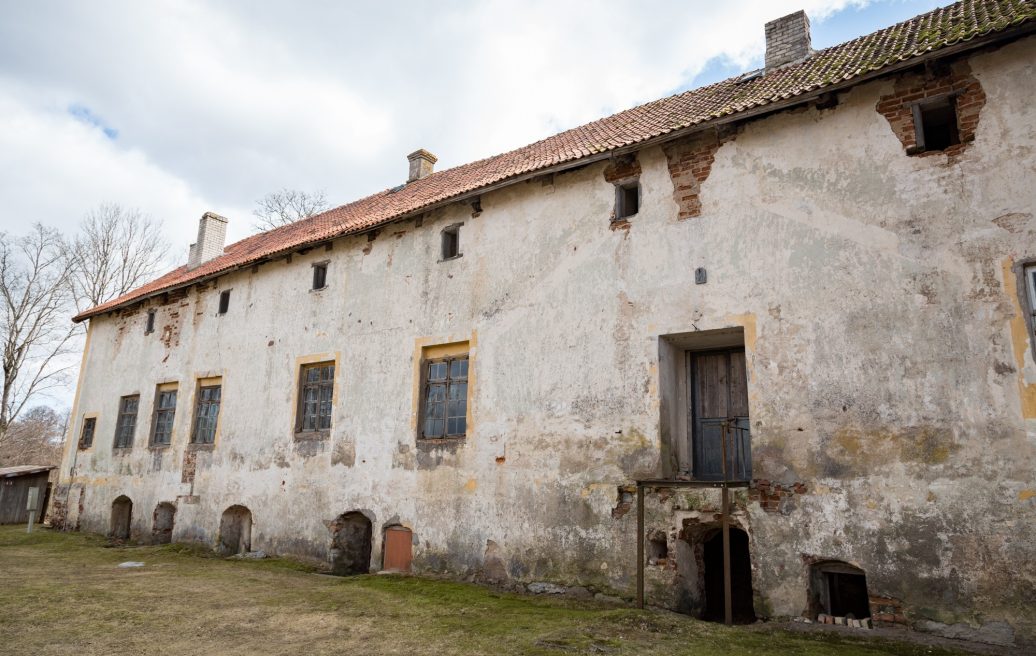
x: 398, y: 549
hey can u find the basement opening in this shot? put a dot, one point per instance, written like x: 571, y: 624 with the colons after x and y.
x: 162, y: 526
x: 350, y: 544
x: 122, y: 512
x: 235, y: 531
x: 740, y: 577
x: 838, y: 589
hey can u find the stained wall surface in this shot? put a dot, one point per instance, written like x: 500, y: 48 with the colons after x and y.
x: 892, y: 386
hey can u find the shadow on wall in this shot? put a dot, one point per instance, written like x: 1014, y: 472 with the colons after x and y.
x: 235, y: 531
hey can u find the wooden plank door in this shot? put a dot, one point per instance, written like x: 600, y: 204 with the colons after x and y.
x: 398, y: 549
x: 719, y: 405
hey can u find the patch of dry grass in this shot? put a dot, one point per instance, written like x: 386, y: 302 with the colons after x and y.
x: 63, y: 593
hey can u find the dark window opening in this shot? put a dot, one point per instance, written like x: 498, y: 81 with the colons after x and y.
x: 127, y: 421
x: 848, y: 595
x: 165, y: 410
x: 935, y: 124
x: 742, y: 608
x: 315, y: 396
x: 627, y: 200
x: 206, y: 415
x: 839, y: 589
x: 224, y: 301
x: 150, y: 326
x: 320, y: 275
x: 451, y: 242
x: 86, y: 440
x: 445, y: 397
x: 658, y: 549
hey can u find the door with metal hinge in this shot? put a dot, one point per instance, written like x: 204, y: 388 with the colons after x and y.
x: 718, y: 420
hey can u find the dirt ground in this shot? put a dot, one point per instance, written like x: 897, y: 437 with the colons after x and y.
x: 63, y: 593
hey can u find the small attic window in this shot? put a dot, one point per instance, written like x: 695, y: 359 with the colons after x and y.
x: 149, y: 326
x: 224, y: 301
x: 451, y: 241
x: 627, y: 199
x: 319, y: 275
x: 935, y: 124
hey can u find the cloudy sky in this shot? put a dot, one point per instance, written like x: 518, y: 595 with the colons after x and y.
x: 182, y: 107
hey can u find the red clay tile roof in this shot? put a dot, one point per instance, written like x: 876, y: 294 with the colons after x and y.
x: 837, y: 65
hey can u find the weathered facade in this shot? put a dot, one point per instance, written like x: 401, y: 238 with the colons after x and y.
x: 875, y: 289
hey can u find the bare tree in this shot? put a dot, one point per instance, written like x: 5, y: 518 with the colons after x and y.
x: 116, y: 250
x: 35, y: 438
x: 34, y: 326
x: 279, y: 208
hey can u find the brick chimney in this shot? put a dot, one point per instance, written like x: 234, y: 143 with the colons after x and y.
x: 212, y: 235
x: 422, y: 163
x: 787, y: 40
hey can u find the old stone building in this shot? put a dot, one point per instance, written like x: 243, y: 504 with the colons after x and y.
x: 814, y: 281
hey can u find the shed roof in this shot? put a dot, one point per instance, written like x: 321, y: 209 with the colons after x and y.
x: 24, y: 470
x: 837, y: 66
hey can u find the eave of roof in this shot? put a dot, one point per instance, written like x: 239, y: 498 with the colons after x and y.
x: 939, y: 33
x: 24, y: 470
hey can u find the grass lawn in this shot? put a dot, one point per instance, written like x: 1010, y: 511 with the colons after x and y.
x: 61, y: 593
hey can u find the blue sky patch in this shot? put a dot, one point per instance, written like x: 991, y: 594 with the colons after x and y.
x: 84, y: 115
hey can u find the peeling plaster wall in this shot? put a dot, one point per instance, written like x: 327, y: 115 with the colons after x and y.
x: 887, y: 383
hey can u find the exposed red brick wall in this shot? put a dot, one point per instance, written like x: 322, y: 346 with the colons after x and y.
x: 886, y: 611
x: 690, y: 162
x: 190, y: 463
x: 896, y: 107
x: 622, y: 168
x: 770, y: 494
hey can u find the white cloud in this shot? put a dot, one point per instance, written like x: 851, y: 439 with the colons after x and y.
x: 214, y: 106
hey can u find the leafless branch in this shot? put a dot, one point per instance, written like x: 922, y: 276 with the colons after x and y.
x: 279, y: 208
x: 34, y: 326
x: 35, y: 438
x: 116, y: 250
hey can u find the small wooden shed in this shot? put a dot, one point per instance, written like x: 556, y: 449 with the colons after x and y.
x: 15, y: 483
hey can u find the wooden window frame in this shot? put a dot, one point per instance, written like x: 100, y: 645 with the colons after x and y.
x: 1027, y: 291
x: 200, y: 402
x: 320, y: 267
x: 149, y: 323
x: 120, y: 424
x: 159, y: 412
x: 447, y: 383
x: 84, y: 443
x: 622, y: 188
x: 449, y: 245
x: 301, y: 432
